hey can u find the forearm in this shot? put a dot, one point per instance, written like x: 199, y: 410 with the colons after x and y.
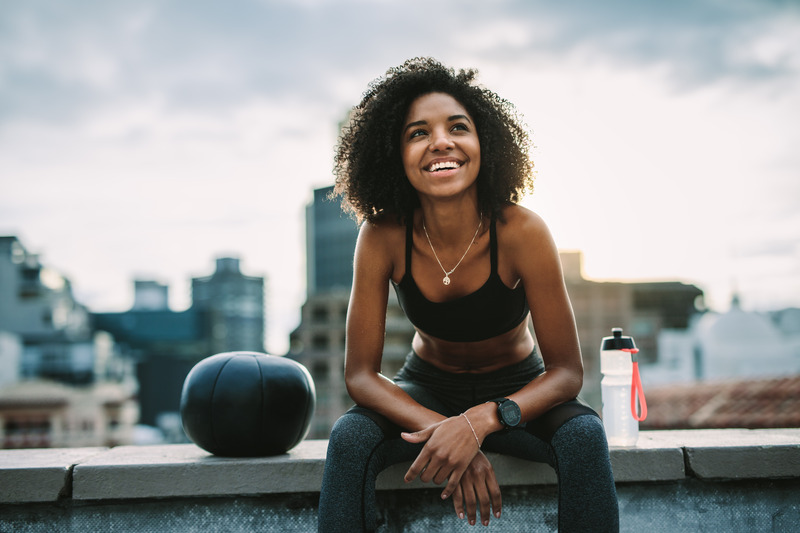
x: 546, y: 391
x: 374, y: 391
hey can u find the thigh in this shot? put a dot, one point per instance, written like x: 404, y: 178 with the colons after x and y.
x: 545, y: 426
x: 519, y: 443
x: 533, y: 440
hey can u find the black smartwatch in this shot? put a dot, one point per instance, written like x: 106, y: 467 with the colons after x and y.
x: 508, y: 412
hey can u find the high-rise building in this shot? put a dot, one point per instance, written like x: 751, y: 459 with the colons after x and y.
x: 330, y: 244
x: 234, y: 304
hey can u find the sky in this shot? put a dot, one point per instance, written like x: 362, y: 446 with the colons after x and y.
x: 143, y: 139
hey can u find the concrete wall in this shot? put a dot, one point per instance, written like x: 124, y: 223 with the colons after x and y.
x: 716, y: 480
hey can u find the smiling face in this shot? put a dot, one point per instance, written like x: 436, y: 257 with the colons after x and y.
x: 440, y: 147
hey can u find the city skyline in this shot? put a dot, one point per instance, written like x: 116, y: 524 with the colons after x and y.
x: 141, y: 140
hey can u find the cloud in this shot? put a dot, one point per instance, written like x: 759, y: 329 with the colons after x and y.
x: 697, y: 42
x: 60, y: 61
x: 137, y: 121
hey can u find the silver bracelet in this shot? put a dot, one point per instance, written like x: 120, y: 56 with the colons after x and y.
x: 473, y: 430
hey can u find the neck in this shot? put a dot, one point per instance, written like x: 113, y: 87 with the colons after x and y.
x: 450, y: 223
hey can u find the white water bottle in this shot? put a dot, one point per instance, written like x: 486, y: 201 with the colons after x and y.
x: 617, y: 367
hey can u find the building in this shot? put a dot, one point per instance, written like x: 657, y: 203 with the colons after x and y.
x: 48, y: 414
x: 330, y: 244
x: 63, y: 382
x: 737, y: 344
x: 164, y: 345
x: 643, y: 310
x: 227, y: 314
x: 234, y: 304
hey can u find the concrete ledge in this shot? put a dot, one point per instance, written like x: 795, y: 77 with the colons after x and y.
x: 735, y: 453
x: 39, y: 475
x: 186, y: 470
x: 174, y: 471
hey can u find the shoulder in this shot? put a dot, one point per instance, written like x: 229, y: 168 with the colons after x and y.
x: 381, y: 243
x: 517, y: 226
x: 383, y: 231
x: 526, y: 243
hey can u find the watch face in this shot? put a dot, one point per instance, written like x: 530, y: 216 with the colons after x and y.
x: 510, y: 413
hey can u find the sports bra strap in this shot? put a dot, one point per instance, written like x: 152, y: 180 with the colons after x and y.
x: 409, y: 241
x: 493, y: 244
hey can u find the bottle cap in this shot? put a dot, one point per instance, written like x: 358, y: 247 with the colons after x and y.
x: 617, y: 341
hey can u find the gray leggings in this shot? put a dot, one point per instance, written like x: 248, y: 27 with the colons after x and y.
x: 569, y: 437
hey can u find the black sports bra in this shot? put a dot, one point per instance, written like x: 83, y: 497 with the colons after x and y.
x: 488, y: 312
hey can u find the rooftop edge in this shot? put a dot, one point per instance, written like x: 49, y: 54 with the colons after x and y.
x: 185, y: 470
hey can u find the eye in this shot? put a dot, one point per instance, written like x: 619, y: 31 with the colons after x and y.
x: 459, y: 127
x: 417, y: 133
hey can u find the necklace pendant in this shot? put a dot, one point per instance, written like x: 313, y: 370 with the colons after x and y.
x: 446, y: 280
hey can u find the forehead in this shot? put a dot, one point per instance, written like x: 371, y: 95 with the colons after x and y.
x: 434, y: 105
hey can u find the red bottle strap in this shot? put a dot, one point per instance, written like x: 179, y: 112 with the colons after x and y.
x: 636, y: 388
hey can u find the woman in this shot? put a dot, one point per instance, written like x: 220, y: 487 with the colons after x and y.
x: 433, y: 166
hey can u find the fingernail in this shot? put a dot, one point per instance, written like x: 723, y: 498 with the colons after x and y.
x: 486, y: 523
x: 461, y: 516
x: 497, y: 514
x: 471, y: 522
x: 444, y: 496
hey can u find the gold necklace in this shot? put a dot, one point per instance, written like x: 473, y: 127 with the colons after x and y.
x: 446, y: 279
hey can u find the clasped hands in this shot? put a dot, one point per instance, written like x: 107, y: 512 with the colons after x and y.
x: 451, y: 452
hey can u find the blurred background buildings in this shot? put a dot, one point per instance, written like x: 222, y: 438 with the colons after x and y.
x: 69, y: 377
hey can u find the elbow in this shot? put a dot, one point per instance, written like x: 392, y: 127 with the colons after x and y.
x: 574, y: 383
x: 355, y: 383
x: 571, y: 382
x: 350, y: 379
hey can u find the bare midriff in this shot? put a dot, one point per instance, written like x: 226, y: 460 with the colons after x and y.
x: 476, y: 357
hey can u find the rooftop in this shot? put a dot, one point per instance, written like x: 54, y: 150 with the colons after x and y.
x: 759, y: 403
x: 709, y: 480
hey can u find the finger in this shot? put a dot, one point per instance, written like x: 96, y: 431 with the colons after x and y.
x: 442, y: 476
x: 416, y: 468
x: 417, y: 436
x: 452, y: 482
x: 469, y: 503
x: 483, y: 501
x: 427, y: 475
x: 458, y: 501
x: 494, y: 494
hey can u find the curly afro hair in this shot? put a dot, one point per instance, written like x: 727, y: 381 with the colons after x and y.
x: 368, y: 163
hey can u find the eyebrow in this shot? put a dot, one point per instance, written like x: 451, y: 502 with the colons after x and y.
x: 451, y: 118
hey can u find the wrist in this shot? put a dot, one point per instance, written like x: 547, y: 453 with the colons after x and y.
x: 484, y: 419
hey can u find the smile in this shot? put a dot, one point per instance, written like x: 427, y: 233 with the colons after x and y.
x: 443, y: 165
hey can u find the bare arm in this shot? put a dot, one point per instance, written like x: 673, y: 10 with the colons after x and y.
x: 366, y: 323
x: 535, y: 257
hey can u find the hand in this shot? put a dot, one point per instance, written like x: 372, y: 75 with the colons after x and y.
x: 449, y: 448
x: 478, y: 482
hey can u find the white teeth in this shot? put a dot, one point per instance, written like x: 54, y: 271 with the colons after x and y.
x: 443, y: 165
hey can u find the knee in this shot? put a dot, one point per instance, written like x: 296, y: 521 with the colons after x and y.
x: 584, y: 432
x: 352, y: 431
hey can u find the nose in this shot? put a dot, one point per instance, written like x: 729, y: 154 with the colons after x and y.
x: 440, y: 140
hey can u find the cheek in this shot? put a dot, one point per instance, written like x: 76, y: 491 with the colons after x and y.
x: 408, y: 156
